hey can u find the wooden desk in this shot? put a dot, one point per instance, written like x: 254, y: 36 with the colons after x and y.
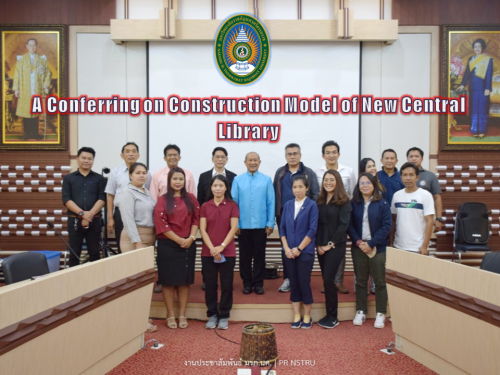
x: 445, y: 315
x: 82, y: 320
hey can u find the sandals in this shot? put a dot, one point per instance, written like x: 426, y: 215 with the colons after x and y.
x: 151, y: 327
x: 171, y: 323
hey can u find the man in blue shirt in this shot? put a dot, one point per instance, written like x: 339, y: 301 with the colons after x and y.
x: 389, y: 175
x: 254, y: 194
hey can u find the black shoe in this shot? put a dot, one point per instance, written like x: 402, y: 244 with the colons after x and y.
x: 329, y: 323
x: 259, y: 290
x: 203, y: 286
x: 247, y: 290
x: 324, y: 319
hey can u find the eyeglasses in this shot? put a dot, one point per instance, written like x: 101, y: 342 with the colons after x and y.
x: 290, y: 154
x: 367, y: 183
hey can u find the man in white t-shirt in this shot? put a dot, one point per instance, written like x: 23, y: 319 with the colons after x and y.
x: 412, y: 214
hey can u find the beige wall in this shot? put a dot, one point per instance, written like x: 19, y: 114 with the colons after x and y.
x: 392, y: 71
x: 104, y: 69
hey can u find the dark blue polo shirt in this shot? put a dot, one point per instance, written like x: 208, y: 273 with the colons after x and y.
x: 286, y: 184
x: 391, y: 184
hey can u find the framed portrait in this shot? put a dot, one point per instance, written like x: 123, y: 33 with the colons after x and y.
x: 471, y: 66
x: 33, y: 62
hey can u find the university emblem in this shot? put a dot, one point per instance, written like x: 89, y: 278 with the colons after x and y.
x: 242, y: 49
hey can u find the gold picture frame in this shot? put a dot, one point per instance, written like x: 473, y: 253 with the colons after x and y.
x: 33, y: 62
x: 471, y: 66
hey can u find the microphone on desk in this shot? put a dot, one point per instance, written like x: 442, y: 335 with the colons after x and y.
x: 51, y: 225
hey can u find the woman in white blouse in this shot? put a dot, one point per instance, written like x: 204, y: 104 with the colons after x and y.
x: 136, y: 207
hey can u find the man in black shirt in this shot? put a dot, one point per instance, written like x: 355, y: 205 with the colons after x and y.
x: 219, y: 158
x: 83, y: 194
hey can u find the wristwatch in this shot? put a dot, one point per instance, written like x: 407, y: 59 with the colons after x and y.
x: 80, y: 213
x: 440, y: 219
x: 299, y: 249
x: 223, y: 245
x: 193, y: 237
x: 330, y: 243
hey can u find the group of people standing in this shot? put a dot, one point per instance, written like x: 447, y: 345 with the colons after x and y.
x: 314, y: 210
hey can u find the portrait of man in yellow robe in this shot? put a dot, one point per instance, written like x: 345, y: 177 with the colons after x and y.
x: 32, y: 77
x: 33, y: 63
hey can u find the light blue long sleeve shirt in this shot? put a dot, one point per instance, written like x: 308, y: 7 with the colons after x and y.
x: 254, y: 195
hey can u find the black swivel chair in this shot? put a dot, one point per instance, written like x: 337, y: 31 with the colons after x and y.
x: 24, y: 266
x: 472, y: 229
x: 491, y: 262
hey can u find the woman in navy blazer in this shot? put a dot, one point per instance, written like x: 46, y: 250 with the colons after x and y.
x: 369, y: 229
x: 299, y: 222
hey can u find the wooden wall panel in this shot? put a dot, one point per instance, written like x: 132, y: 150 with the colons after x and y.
x: 440, y: 12
x: 452, y: 200
x: 57, y: 12
x: 35, y: 201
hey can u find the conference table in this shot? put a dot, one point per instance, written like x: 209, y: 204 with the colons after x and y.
x: 445, y: 315
x: 81, y: 320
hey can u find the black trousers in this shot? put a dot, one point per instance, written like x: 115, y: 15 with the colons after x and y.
x: 92, y: 236
x: 211, y: 272
x: 330, y: 262
x: 118, y: 227
x: 253, y: 247
x: 30, y: 126
x: 283, y: 256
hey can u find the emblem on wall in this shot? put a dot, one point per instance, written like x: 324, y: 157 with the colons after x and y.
x: 242, y: 49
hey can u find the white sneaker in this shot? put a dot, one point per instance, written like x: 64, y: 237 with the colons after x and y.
x: 359, y: 319
x: 285, y: 287
x: 379, y: 321
x: 212, y: 322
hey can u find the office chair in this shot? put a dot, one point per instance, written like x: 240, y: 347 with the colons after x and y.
x: 491, y: 262
x: 23, y: 266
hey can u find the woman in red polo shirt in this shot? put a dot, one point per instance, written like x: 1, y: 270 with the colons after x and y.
x: 176, y: 218
x: 218, y: 224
